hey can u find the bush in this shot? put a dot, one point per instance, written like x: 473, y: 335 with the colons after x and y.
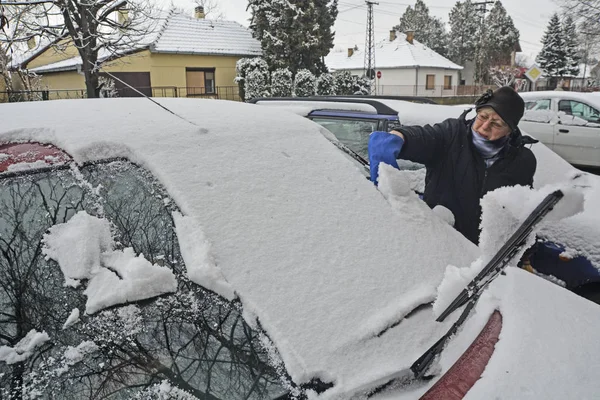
x: 304, y: 84
x: 344, y: 83
x: 256, y: 85
x: 326, y: 85
x: 244, y: 67
x: 361, y: 86
x: 281, y: 83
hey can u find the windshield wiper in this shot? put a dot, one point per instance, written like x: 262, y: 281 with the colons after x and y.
x: 474, y: 289
x: 351, y: 153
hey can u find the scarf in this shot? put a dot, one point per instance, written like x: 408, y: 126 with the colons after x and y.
x: 489, y: 149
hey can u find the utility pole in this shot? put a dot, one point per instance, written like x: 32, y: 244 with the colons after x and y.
x: 369, y: 65
x: 481, y: 7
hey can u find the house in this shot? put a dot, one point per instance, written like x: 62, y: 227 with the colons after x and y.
x: 404, y: 67
x: 184, y: 56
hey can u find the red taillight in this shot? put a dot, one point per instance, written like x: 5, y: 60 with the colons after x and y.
x: 461, y: 377
x: 19, y: 153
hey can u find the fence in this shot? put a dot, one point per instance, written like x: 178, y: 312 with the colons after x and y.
x: 219, y: 92
x: 232, y: 92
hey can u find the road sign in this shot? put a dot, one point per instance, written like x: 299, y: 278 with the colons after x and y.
x: 534, y: 73
x: 378, y: 74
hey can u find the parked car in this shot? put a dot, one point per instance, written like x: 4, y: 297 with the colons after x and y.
x: 229, y: 251
x: 567, y: 122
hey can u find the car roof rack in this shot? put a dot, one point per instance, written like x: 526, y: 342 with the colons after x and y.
x: 379, y: 107
x: 414, y: 99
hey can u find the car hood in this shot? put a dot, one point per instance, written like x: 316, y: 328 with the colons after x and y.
x: 320, y: 258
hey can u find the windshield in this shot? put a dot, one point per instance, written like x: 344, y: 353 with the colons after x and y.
x: 187, y: 344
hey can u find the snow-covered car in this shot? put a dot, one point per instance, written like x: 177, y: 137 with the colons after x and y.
x: 566, y: 122
x: 228, y: 251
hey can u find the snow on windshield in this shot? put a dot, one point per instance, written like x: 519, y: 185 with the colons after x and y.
x: 83, y: 248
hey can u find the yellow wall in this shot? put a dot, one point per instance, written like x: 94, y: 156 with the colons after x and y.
x: 58, y: 52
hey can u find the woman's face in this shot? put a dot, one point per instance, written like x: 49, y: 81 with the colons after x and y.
x: 489, y: 124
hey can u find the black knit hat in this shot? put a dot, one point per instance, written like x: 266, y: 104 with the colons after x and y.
x: 506, y: 102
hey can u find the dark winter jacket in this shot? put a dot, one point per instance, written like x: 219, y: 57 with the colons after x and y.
x: 457, y: 176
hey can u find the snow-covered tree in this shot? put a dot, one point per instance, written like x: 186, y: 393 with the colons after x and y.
x: 243, y: 67
x: 464, y: 21
x: 344, y: 83
x: 326, y: 85
x: 501, y: 36
x: 552, y: 58
x: 296, y: 34
x: 281, y: 83
x: 587, y: 14
x: 304, y: 83
x: 570, y: 40
x: 427, y: 29
x: 361, y: 85
x: 499, y: 39
x: 257, y: 84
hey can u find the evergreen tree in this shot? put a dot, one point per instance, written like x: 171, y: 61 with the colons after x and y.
x: 294, y: 34
x: 281, y: 83
x: 464, y: 20
x: 344, y: 83
x: 571, y: 49
x: 428, y: 30
x: 552, y: 58
x: 304, y: 83
x: 501, y: 36
x: 499, y: 39
x: 325, y: 85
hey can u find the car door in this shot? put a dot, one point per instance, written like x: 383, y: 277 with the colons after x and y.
x: 577, y: 133
x: 539, y: 120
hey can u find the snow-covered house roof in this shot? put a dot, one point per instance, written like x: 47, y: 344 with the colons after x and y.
x: 188, y: 35
x: 398, y: 53
x: 176, y: 33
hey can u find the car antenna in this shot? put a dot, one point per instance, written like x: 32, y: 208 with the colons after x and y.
x: 155, y: 102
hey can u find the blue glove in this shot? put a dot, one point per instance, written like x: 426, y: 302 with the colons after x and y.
x: 383, y: 147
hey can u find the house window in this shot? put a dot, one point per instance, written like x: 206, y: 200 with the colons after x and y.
x: 200, y: 81
x: 447, y: 82
x: 430, y: 82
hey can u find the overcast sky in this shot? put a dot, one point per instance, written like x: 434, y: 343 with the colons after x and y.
x: 530, y: 18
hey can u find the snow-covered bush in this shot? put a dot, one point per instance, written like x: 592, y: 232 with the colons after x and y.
x: 256, y: 85
x: 344, y: 84
x: 281, y: 83
x: 304, y: 84
x: 361, y: 86
x: 244, y: 66
x: 325, y: 85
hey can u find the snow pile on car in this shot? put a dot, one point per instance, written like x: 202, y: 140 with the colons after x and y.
x: 83, y: 248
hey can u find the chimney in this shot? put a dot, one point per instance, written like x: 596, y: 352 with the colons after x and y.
x: 199, y: 12
x: 350, y: 51
x: 392, y: 35
x: 31, y: 42
x: 410, y: 35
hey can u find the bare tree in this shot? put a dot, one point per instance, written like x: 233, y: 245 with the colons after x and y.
x: 100, y: 30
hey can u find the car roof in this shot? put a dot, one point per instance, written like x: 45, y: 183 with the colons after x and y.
x: 312, y: 248
x: 378, y: 106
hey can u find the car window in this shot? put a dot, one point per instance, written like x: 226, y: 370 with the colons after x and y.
x: 580, y: 110
x: 192, y: 341
x: 354, y: 133
x: 542, y: 104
